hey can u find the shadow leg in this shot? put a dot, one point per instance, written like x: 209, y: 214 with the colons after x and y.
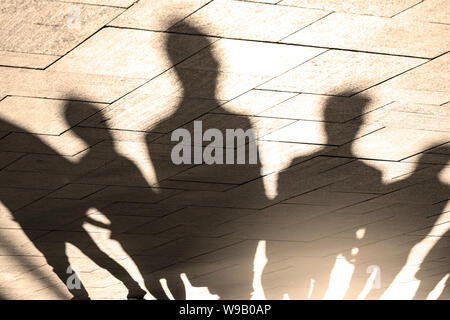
x: 176, y: 286
x: 154, y: 286
x: 106, y: 262
x: 56, y: 258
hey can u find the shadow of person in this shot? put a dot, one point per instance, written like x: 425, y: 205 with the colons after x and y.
x: 114, y: 170
x: 50, y: 217
x: 319, y: 187
x: 353, y: 213
x: 411, y: 207
x: 418, y: 206
x: 433, y: 269
x: 203, y: 154
x: 27, y: 185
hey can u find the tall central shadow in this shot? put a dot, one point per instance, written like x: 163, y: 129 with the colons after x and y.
x: 203, y: 225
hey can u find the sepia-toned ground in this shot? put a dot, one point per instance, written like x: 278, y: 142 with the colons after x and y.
x: 350, y: 103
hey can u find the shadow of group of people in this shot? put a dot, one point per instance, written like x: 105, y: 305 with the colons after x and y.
x: 223, y: 208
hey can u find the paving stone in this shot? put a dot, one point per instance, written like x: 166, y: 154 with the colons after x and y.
x: 164, y: 168
x: 153, y: 14
x: 332, y: 199
x: 127, y: 53
x: 131, y: 193
x: 26, y: 60
x: 384, y: 8
x: 146, y: 112
x: 41, y: 116
x: 6, y: 158
x: 117, y: 136
x: 429, y: 10
x: 276, y: 156
x: 50, y: 214
x: 250, y: 57
x: 336, y: 71
x: 262, y: 126
x: 60, y: 85
x: 53, y: 31
x: 140, y: 209
x: 322, y: 108
x: 405, y: 218
x: 443, y: 149
x: 262, y: 1
x: 426, y: 84
x: 254, y: 102
x: 74, y: 191
x: 202, y: 84
x: 391, y: 170
x: 429, y: 158
x: 417, y: 194
x: 15, y: 198
x: 126, y: 223
x: 107, y: 150
x: 185, y: 248
x: 394, y: 144
x: 119, y: 172
x: 286, y: 213
x: 229, y: 19
x: 312, y: 172
x: 314, y: 132
x: 54, y: 164
x: 356, y: 32
x: 315, y: 229
x: 194, y: 185
x: 221, y: 199
x: 437, y: 155
x: 34, y: 180
x: 418, y: 116
x: 201, y: 221
x: 209, y: 173
x: 65, y: 144
x: 113, y: 3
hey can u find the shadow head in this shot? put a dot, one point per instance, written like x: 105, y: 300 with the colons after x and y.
x: 76, y: 111
x: 177, y: 50
x: 341, y: 108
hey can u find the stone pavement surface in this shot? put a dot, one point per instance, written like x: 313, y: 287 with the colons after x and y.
x: 350, y: 103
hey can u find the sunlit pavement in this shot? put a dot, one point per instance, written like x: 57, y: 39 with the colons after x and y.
x: 350, y: 102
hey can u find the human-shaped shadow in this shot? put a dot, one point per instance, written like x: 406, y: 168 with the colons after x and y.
x: 412, y: 206
x: 373, y: 231
x: 434, y: 267
x: 116, y: 170
x: 202, y: 226
x: 312, y: 177
x: 48, y: 216
x: 429, y: 195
